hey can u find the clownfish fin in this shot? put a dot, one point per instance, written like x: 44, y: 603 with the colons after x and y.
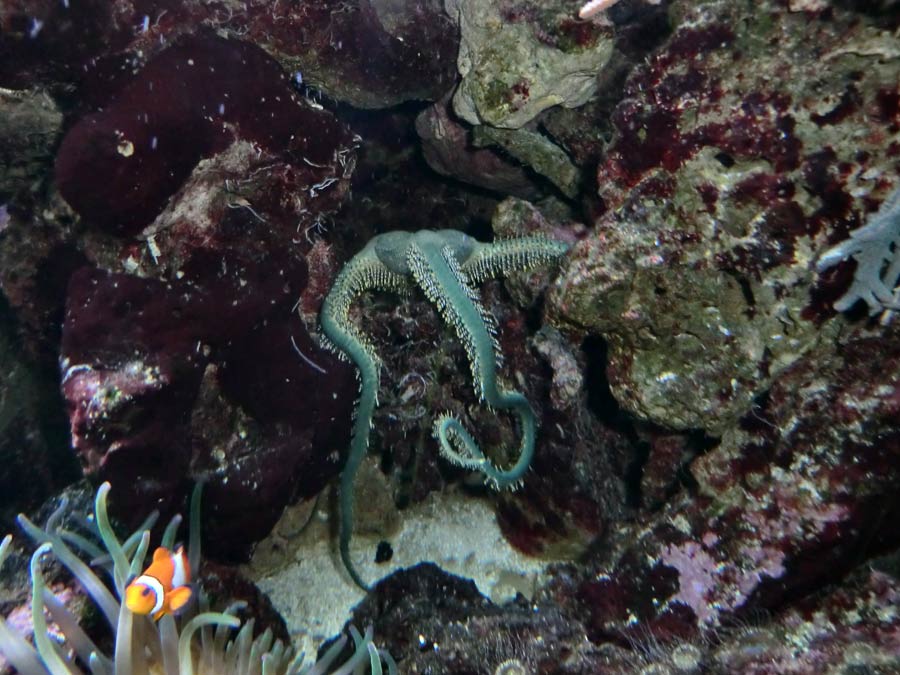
x: 179, y: 597
x: 161, y: 553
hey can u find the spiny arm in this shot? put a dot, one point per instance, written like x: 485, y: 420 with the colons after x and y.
x: 500, y: 258
x: 437, y: 273
x: 362, y: 273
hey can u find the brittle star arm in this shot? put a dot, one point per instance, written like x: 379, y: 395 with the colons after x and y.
x: 504, y: 256
x: 364, y: 272
x: 437, y: 272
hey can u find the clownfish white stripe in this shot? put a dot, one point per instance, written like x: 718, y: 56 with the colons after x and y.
x: 180, y: 576
x: 156, y: 587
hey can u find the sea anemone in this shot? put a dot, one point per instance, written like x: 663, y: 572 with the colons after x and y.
x: 144, y: 646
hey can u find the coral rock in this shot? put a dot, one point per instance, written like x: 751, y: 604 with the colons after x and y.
x: 514, y: 65
x: 790, y: 500
x: 736, y: 157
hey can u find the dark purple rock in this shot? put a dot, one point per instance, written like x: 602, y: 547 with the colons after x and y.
x: 190, y: 368
x: 32, y: 429
x: 227, y: 585
x: 130, y: 373
x: 432, y: 621
x: 134, y: 352
x: 659, y: 474
x: 46, y: 41
x: 371, y: 54
x: 118, y: 167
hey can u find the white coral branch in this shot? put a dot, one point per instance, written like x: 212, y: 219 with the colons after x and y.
x: 876, y: 248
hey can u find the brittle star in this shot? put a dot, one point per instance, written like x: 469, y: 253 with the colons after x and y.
x: 445, y: 264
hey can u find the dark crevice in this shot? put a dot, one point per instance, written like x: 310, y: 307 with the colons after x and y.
x: 603, y: 404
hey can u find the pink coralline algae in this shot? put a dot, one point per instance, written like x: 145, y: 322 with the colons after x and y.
x: 710, y: 582
x: 19, y: 619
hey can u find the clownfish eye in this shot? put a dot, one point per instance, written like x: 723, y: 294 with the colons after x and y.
x: 146, y: 591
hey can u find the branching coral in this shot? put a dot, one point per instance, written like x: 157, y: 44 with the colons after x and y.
x: 142, y: 646
x: 445, y: 264
x: 876, y: 248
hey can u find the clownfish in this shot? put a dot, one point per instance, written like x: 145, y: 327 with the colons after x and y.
x: 163, y: 587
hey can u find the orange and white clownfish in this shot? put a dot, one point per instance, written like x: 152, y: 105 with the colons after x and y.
x: 163, y: 587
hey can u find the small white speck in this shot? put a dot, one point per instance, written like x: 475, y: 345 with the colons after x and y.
x: 153, y: 143
x: 221, y: 108
x: 36, y: 25
x: 145, y: 24
x: 190, y: 62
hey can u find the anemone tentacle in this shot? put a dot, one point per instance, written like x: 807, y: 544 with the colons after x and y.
x: 143, y: 646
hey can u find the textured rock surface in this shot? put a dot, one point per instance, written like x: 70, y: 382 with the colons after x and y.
x: 851, y: 629
x: 371, y: 53
x: 790, y: 500
x: 736, y: 157
x: 448, y: 150
x: 518, y: 59
x: 30, y: 123
x: 32, y: 429
x: 536, y: 151
x: 439, y: 622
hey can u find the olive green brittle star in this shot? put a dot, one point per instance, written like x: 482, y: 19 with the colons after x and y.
x: 445, y: 264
